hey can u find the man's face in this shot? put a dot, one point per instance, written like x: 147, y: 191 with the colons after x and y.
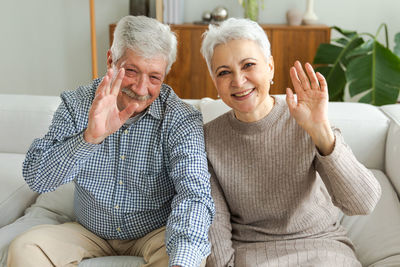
x: 142, y: 81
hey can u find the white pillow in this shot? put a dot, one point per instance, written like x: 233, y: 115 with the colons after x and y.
x: 211, y: 108
x: 50, y: 208
x: 376, y: 237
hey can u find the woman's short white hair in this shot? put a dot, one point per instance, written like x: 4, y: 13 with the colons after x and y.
x: 233, y: 29
x: 145, y: 36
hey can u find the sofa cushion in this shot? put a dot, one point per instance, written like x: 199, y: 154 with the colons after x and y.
x: 50, y: 208
x: 24, y: 117
x: 393, y: 145
x: 354, y: 121
x: 376, y: 236
x: 113, y: 261
x: 15, y: 195
x: 55, y: 208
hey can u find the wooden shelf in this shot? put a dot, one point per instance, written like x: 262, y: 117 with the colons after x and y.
x: 189, y: 76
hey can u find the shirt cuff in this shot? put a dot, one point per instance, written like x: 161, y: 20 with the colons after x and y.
x: 185, y: 255
x: 79, y: 149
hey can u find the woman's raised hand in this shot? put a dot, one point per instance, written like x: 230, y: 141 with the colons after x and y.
x: 311, y: 109
x: 104, y: 116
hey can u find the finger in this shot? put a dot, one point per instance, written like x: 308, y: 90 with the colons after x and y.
x: 104, y: 83
x: 110, y: 76
x: 322, y: 82
x: 296, y: 81
x: 302, y: 76
x: 115, y: 88
x: 312, y: 76
x: 125, y: 114
x: 290, y: 99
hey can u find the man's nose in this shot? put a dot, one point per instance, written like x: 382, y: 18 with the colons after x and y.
x: 141, y: 87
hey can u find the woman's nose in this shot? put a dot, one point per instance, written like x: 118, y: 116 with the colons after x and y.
x: 238, y: 79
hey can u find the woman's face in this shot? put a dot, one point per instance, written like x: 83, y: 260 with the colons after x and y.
x: 242, y: 78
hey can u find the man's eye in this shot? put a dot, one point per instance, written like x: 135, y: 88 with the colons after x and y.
x: 222, y: 73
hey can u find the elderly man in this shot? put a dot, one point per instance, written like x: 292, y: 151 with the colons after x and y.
x: 136, y: 154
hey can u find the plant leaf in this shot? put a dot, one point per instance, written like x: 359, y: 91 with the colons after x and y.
x: 333, y: 59
x: 348, y: 34
x: 376, y: 72
x: 397, y: 44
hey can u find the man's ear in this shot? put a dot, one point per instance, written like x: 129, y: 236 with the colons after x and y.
x: 109, y: 59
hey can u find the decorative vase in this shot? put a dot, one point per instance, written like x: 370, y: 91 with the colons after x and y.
x: 251, y: 9
x: 310, y: 17
x: 294, y: 17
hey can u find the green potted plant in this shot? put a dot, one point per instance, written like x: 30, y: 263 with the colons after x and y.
x: 252, y: 8
x: 359, y: 62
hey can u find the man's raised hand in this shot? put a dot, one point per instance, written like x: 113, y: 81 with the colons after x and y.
x: 104, y: 116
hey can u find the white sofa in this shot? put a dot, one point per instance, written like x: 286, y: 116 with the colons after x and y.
x: 373, y: 134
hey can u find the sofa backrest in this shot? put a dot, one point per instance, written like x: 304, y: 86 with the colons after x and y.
x: 23, y: 118
x: 364, y: 127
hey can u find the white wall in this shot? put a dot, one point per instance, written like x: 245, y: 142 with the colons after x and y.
x: 45, y: 44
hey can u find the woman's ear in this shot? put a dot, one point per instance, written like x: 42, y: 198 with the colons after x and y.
x: 271, y: 66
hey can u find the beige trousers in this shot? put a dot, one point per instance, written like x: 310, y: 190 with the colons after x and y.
x: 69, y: 243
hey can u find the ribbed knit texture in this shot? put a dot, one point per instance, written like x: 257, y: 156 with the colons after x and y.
x: 277, y: 198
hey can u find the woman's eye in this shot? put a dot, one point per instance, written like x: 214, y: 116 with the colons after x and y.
x: 248, y: 65
x: 222, y: 73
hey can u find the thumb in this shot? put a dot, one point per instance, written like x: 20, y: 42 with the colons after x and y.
x: 128, y: 111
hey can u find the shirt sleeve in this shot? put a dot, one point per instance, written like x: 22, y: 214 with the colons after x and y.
x: 55, y: 159
x: 192, y: 207
x: 220, y: 234
x: 353, y: 188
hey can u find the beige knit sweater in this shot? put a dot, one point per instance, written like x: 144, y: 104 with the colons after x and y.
x: 277, y: 199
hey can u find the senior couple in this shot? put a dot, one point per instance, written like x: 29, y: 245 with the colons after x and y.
x: 280, y: 174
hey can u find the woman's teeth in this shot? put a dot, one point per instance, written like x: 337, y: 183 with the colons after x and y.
x: 244, y: 93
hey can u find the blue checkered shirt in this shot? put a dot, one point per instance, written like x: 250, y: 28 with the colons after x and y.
x: 144, y: 176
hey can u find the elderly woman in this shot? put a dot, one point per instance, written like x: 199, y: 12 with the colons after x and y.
x: 279, y: 173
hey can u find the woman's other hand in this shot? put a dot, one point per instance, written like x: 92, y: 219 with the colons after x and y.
x: 311, y: 109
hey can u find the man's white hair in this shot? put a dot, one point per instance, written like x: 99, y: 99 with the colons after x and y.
x: 145, y: 36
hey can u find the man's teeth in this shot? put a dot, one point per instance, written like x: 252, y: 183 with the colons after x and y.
x: 244, y: 93
x: 129, y: 93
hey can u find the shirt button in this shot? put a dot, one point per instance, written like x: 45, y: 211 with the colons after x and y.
x: 120, y: 182
x: 122, y: 157
x: 126, y: 131
x: 116, y: 206
x: 118, y: 229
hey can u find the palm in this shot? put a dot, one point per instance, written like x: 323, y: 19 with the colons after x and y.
x: 312, y: 97
x: 104, y: 116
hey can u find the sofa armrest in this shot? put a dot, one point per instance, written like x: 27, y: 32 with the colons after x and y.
x: 392, y: 156
x: 15, y: 195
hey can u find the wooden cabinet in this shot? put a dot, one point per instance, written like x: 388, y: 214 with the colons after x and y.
x: 189, y: 76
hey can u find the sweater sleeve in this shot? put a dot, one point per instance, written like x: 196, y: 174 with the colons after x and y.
x: 352, y: 187
x: 220, y: 233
